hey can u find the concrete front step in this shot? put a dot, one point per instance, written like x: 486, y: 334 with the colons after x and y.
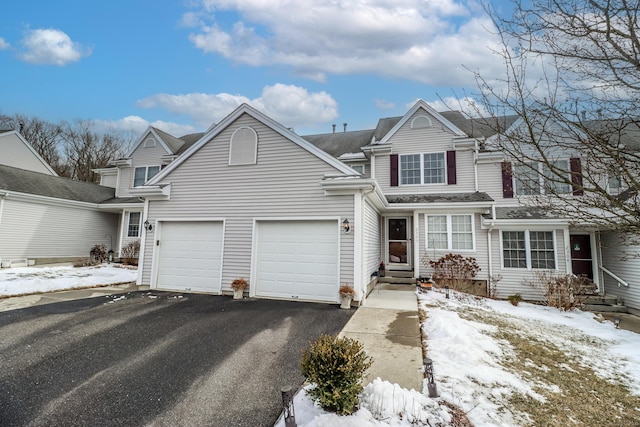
x: 601, y: 299
x: 398, y: 280
x: 605, y: 308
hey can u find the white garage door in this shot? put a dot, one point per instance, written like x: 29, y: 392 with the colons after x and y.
x: 190, y: 256
x: 298, y: 260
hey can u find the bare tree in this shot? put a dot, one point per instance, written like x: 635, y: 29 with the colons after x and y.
x: 44, y: 136
x: 572, y: 75
x: 86, y: 150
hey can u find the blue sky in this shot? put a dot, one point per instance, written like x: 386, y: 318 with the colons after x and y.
x: 182, y: 65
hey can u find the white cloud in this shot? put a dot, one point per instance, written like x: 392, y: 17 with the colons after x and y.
x: 136, y: 125
x: 410, y: 39
x: 4, y: 44
x: 290, y: 105
x: 51, y: 46
x: 466, y: 105
x: 384, y: 105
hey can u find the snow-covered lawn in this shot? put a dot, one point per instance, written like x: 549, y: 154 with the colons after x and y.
x: 507, y: 366
x: 29, y: 280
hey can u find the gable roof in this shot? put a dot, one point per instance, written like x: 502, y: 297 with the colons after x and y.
x: 6, y: 133
x: 170, y: 143
x: 267, y: 121
x: 339, y: 143
x: 420, y: 104
x: 24, y: 181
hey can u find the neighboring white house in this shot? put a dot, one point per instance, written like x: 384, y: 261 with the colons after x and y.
x: 17, y: 152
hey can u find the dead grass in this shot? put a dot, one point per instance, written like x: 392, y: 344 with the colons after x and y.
x: 574, y: 394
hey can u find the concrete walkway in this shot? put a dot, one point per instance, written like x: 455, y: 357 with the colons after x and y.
x: 388, y: 327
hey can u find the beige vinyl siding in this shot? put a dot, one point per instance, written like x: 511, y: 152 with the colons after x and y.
x: 41, y: 230
x: 13, y: 152
x: 372, y: 242
x: 517, y: 280
x: 285, y: 184
x: 481, y: 253
x: 490, y: 182
x: 622, y: 260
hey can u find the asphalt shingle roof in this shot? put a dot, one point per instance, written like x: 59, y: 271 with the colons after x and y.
x: 339, y: 143
x: 523, y: 213
x: 24, y: 181
x: 441, y: 198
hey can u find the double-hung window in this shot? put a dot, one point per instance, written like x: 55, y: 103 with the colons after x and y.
x: 144, y: 174
x: 133, y: 228
x: 533, y: 178
x: 450, y: 232
x: 528, y: 249
x: 426, y: 168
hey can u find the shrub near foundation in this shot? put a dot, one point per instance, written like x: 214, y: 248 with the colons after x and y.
x: 336, y: 367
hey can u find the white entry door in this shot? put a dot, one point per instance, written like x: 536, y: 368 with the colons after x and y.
x: 297, y: 260
x: 189, y: 256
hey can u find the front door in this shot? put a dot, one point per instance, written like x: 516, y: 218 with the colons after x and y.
x: 399, y: 242
x: 581, y: 262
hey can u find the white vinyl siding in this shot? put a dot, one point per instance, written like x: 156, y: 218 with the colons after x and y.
x: 541, y: 178
x: 15, y: 153
x: 621, y: 258
x: 372, y: 241
x: 284, y: 183
x: 48, y: 230
x: 450, y: 232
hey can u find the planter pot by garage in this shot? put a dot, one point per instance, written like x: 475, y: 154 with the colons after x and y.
x: 238, y: 293
x: 345, y: 302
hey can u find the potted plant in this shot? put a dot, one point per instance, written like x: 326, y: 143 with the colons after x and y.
x: 346, y: 295
x: 239, y: 285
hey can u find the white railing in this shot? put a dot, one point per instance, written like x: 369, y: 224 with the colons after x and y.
x: 616, y: 277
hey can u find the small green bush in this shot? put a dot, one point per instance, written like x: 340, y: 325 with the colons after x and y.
x: 336, y: 366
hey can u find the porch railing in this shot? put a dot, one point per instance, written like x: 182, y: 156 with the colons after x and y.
x: 616, y: 277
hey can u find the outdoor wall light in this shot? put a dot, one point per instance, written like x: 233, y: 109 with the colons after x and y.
x: 346, y: 227
x: 148, y: 226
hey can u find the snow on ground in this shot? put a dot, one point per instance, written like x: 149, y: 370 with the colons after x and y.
x: 469, y: 364
x: 29, y: 280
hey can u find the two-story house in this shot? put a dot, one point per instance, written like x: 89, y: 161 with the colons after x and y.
x: 298, y: 216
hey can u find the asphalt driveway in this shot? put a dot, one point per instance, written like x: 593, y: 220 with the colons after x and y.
x: 152, y: 358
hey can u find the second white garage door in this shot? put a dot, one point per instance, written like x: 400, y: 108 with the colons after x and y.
x: 297, y: 260
x: 190, y: 256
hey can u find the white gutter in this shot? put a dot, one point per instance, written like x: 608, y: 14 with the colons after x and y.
x: 2, y: 197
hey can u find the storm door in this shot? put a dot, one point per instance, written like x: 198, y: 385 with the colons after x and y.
x: 398, y: 242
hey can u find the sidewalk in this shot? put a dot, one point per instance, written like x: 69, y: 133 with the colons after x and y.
x: 388, y: 327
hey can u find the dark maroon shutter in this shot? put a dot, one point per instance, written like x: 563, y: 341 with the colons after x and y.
x: 394, y: 170
x: 576, y: 176
x: 507, y: 181
x: 451, y: 167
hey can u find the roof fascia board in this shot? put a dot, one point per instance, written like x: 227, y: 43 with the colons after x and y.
x: 26, y: 197
x: 425, y: 207
x: 524, y: 223
x: 418, y: 105
x: 267, y: 121
x: 151, y: 191
x: 122, y: 206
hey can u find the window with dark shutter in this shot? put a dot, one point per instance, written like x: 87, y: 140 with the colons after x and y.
x: 576, y: 176
x: 451, y: 167
x: 394, y: 170
x: 507, y: 180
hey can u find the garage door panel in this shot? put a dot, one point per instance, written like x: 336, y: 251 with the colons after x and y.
x: 190, y: 256
x: 297, y: 259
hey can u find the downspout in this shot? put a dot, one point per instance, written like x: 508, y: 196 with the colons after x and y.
x: 143, y: 240
x: 489, y: 243
x: 475, y: 164
x: 363, y: 286
x: 2, y: 197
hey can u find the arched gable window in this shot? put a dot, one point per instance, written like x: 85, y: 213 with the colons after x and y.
x: 421, y: 122
x: 149, y: 142
x: 243, y: 148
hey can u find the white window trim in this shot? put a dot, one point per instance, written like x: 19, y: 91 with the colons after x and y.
x: 146, y: 173
x: 446, y: 178
x: 255, y: 152
x: 129, y: 224
x: 541, y: 178
x: 450, y: 233
x: 527, y: 247
x: 364, y: 168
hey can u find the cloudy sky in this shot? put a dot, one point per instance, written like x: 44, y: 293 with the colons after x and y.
x: 182, y: 65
